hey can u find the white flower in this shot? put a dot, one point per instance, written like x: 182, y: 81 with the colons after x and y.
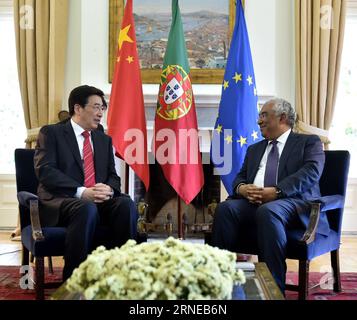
x: 161, y: 270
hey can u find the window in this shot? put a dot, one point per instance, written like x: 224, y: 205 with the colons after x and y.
x: 12, y: 125
x: 344, y: 126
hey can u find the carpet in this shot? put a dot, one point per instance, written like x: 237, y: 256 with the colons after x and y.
x: 321, y: 286
x: 11, y: 281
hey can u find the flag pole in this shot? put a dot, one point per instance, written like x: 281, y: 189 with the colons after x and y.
x: 179, y: 218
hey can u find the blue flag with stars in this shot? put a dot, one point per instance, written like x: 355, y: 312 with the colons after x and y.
x: 236, y: 126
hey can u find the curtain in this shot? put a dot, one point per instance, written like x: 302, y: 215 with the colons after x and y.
x: 41, y: 43
x: 319, y: 27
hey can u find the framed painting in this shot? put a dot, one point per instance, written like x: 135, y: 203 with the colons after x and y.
x: 208, y: 27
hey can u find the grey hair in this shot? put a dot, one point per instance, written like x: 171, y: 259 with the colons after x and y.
x: 281, y: 106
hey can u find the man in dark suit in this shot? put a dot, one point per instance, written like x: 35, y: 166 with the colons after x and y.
x: 78, y: 185
x: 279, y: 176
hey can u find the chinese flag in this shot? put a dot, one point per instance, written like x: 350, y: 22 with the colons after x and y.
x: 126, y: 117
x: 176, y: 136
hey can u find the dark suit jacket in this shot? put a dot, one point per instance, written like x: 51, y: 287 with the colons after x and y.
x: 59, y: 167
x: 300, y: 167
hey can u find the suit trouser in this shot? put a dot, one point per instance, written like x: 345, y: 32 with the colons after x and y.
x: 81, y: 218
x: 240, y: 226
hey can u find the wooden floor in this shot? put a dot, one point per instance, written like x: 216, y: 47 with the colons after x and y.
x: 10, y: 255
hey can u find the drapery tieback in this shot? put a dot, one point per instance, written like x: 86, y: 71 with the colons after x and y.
x: 303, y: 127
x: 32, y: 134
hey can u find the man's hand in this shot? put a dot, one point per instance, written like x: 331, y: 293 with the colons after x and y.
x: 256, y: 194
x: 268, y: 194
x: 250, y: 192
x: 98, y: 194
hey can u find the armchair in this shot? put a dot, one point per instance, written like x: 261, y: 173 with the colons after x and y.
x: 305, y: 245
x: 39, y: 241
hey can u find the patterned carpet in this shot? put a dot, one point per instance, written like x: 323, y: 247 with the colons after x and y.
x: 11, y: 281
x: 321, y: 285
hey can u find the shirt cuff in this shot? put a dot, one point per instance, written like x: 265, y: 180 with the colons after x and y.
x: 79, y: 192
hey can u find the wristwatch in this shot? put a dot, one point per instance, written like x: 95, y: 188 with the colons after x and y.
x: 278, y: 193
x: 237, y: 189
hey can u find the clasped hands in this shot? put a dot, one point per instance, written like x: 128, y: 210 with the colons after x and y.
x: 98, y: 193
x: 257, y: 195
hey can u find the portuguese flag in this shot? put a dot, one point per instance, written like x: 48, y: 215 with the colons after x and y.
x: 176, y: 141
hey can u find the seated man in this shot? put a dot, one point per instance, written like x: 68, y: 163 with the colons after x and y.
x: 78, y: 185
x: 279, y: 176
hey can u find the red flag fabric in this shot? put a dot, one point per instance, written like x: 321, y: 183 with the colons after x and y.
x: 126, y: 116
x: 176, y: 136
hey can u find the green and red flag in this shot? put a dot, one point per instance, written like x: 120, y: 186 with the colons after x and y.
x: 176, y: 140
x: 126, y: 117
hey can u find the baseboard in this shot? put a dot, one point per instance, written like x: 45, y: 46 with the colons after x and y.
x: 349, y: 233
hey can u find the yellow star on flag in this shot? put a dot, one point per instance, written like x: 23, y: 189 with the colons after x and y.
x: 130, y: 59
x: 255, y: 135
x: 229, y: 139
x: 250, y: 80
x: 242, y: 141
x: 237, y: 77
x: 123, y: 36
x: 225, y: 84
x: 219, y: 129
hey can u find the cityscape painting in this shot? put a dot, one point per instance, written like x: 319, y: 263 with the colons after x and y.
x: 206, y: 28
x: 207, y: 24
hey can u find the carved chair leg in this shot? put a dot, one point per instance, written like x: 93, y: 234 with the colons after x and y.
x: 39, y: 278
x: 25, y: 256
x: 303, y: 279
x: 335, y: 264
x: 50, y: 265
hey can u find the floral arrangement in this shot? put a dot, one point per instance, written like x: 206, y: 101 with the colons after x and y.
x: 158, y: 270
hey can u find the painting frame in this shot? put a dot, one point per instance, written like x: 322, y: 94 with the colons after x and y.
x: 152, y: 76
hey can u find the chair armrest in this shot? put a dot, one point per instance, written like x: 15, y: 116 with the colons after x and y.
x: 37, y: 234
x: 331, y: 202
x: 309, y: 235
x: 30, y: 201
x: 25, y: 197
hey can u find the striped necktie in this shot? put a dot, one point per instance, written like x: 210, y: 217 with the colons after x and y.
x: 271, y: 167
x: 88, y: 163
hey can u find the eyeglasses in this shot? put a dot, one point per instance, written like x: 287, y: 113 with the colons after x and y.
x: 98, y: 107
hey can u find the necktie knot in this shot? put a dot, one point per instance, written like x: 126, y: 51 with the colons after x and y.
x: 85, y: 134
x: 274, y: 142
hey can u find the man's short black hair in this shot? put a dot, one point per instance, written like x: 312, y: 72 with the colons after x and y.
x: 80, y: 96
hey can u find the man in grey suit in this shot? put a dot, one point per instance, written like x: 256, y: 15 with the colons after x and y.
x: 78, y: 185
x: 279, y: 176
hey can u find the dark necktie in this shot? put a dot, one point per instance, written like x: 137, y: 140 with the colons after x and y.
x: 88, y: 163
x: 272, y: 165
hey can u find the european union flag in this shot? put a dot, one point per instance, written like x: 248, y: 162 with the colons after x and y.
x: 236, y: 126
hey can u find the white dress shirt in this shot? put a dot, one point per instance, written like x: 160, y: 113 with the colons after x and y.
x: 259, y: 178
x: 78, y: 130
